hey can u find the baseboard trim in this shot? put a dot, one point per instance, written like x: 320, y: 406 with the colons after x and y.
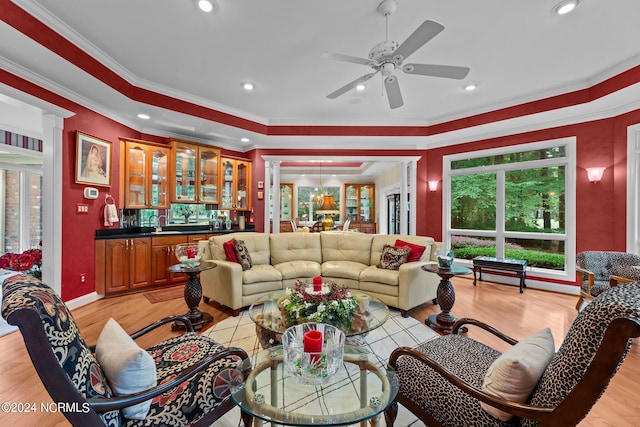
x: 530, y: 282
x: 83, y: 300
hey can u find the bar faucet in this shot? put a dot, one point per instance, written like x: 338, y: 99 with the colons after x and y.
x: 158, y: 226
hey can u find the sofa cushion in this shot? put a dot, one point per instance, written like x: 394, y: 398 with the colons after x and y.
x: 416, y: 250
x: 515, y: 374
x: 344, y: 269
x: 379, y: 240
x: 393, y: 257
x: 242, y: 254
x: 128, y: 368
x: 345, y: 245
x: 295, y: 247
x: 298, y: 269
x: 380, y: 275
x: 261, y: 273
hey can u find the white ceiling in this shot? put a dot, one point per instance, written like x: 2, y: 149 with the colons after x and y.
x: 517, y: 51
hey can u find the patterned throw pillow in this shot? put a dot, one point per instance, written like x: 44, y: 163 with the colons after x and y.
x: 393, y: 257
x: 242, y: 253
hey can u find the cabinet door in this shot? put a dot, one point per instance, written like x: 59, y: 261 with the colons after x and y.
x: 185, y: 173
x: 365, y: 203
x: 286, y: 202
x: 159, y: 178
x: 139, y: 263
x: 351, y: 202
x: 243, y: 174
x: 116, y: 265
x: 228, y: 184
x: 135, y: 176
x: 209, y: 166
x: 162, y: 257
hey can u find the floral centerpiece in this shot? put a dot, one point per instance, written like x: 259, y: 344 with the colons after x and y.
x: 28, y: 262
x: 334, y: 305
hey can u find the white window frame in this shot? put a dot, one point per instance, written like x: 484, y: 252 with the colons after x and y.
x: 24, y: 171
x: 569, y: 236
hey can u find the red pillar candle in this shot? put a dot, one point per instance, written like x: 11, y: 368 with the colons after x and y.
x: 317, y: 284
x: 312, y: 343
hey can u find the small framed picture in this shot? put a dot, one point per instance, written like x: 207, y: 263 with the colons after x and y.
x: 93, y: 160
x: 260, y: 195
x: 260, y: 184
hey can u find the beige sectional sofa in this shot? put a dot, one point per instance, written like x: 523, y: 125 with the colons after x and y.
x: 347, y: 258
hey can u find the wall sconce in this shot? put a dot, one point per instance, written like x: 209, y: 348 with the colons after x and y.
x: 595, y: 174
x: 433, y: 185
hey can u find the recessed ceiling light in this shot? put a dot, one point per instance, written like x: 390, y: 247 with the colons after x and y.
x: 566, y: 7
x: 361, y: 87
x: 207, y: 5
x: 470, y: 87
x: 144, y: 116
x: 247, y: 86
x: 245, y: 139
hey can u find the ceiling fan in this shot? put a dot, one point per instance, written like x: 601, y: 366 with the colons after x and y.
x: 388, y: 56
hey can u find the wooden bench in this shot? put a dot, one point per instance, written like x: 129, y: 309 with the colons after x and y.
x: 518, y: 266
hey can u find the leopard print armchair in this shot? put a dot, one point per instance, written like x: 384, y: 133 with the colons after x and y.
x: 594, y: 270
x: 441, y: 380
x: 72, y: 375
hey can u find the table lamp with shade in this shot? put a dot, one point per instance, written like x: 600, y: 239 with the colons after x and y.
x: 327, y: 208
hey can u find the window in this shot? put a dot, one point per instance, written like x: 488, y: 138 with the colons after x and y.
x: 310, y: 199
x: 513, y: 203
x: 20, y: 203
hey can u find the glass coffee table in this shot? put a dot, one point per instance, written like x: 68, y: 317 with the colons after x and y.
x: 270, y: 325
x: 361, y: 390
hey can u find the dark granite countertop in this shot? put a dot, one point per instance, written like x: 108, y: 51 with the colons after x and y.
x: 168, y: 230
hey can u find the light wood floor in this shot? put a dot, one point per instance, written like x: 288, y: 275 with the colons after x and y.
x: 502, y: 306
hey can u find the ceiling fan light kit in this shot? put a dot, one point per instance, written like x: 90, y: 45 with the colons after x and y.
x: 387, y: 56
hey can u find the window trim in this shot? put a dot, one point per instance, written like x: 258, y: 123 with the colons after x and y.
x: 569, y: 236
x: 24, y: 171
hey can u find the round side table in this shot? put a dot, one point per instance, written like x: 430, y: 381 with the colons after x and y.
x: 193, y: 294
x: 443, y: 321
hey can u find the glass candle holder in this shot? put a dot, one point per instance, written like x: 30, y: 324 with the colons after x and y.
x: 188, y: 254
x: 313, y: 368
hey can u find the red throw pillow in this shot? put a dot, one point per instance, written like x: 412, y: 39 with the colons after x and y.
x: 229, y: 251
x: 416, y: 250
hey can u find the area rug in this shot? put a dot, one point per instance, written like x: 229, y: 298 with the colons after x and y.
x: 397, y: 331
x: 163, y: 295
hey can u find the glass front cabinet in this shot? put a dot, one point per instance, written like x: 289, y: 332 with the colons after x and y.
x: 196, y: 173
x: 359, y: 203
x: 286, y: 202
x: 146, y: 176
x: 235, y: 183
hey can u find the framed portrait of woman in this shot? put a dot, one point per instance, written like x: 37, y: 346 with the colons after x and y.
x: 93, y: 160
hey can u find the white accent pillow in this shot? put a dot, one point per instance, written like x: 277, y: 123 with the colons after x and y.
x: 128, y: 368
x: 515, y: 374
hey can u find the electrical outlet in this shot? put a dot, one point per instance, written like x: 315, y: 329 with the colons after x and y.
x: 83, y: 277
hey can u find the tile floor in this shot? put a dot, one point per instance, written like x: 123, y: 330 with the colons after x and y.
x: 397, y: 331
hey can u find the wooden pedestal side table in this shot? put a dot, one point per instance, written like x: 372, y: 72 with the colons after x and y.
x: 193, y: 294
x: 446, y: 296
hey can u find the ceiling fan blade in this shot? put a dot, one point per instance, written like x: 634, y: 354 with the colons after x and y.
x: 346, y: 88
x: 393, y: 92
x: 425, y: 32
x: 346, y: 58
x: 446, y: 71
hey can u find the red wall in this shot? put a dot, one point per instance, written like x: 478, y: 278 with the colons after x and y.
x: 601, y: 207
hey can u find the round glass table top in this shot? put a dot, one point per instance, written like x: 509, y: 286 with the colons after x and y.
x: 370, y: 314
x: 358, y: 391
